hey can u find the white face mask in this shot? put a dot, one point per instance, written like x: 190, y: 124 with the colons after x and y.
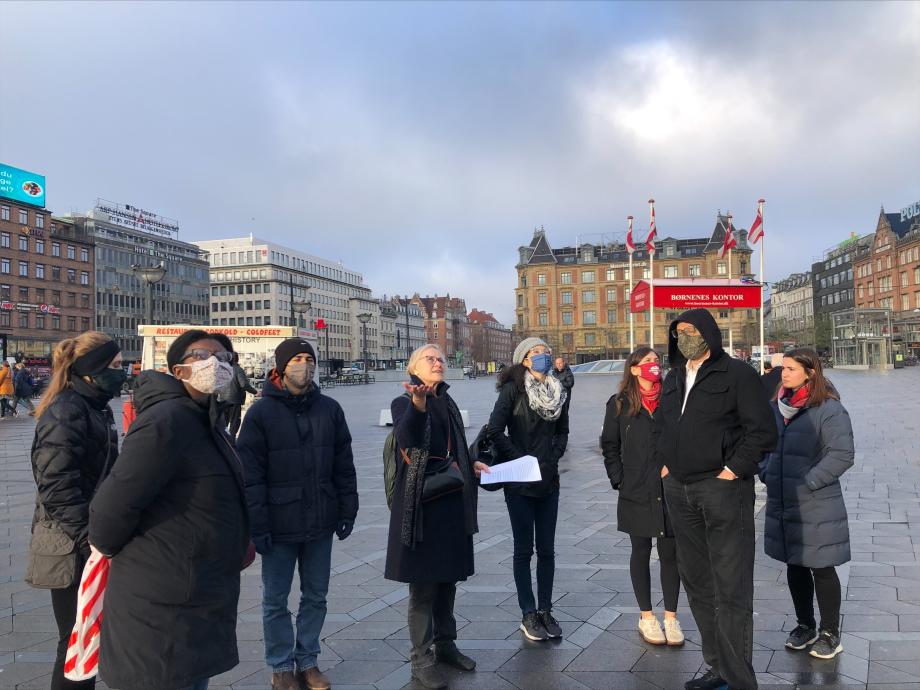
x: 209, y: 375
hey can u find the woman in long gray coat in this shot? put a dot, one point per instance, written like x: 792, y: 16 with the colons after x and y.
x: 806, y: 518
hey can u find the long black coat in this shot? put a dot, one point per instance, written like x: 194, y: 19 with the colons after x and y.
x: 445, y: 553
x: 297, y: 460
x: 173, y: 514
x: 75, y: 442
x: 629, y: 460
x: 528, y: 434
x: 806, y: 517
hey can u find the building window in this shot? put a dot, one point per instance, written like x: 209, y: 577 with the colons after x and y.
x: 23, y: 217
x: 4, y: 240
x: 71, y: 323
x: 71, y: 275
x: 721, y: 268
x: 23, y: 319
x: 589, y: 318
x: 565, y: 278
x: 40, y: 271
x: 55, y: 249
x: 71, y: 252
x: 520, y: 300
x: 590, y: 339
x: 55, y: 322
x: 566, y: 296
x: 566, y: 318
x: 39, y: 220
x: 723, y: 314
x: 40, y: 295
x: 84, y: 254
x: 84, y: 323
x: 5, y: 265
x: 587, y: 296
x: 645, y: 273
x: 84, y: 278
x: 611, y: 316
x: 4, y: 318
x: 694, y: 270
x: 541, y: 279
x: 4, y: 212
x: 670, y: 271
x: 23, y: 243
x: 544, y: 318
x: 611, y: 294
x: 567, y: 340
x: 611, y: 274
x: 24, y: 269
x: 587, y: 276
x: 541, y: 299
x: 84, y: 301
x: 39, y: 246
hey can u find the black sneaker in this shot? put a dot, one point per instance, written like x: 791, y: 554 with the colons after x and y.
x: 827, y: 647
x: 533, y: 628
x: 549, y: 623
x: 708, y: 681
x: 448, y: 653
x: 801, y: 637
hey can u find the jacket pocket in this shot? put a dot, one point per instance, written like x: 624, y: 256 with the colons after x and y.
x: 284, y: 509
x: 708, y: 397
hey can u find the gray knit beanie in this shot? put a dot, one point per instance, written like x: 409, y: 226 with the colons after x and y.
x: 525, y: 346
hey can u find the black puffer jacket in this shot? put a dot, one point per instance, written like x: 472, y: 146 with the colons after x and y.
x: 75, y: 441
x: 566, y: 378
x: 234, y: 393
x: 726, y: 421
x: 528, y: 434
x: 173, y: 514
x: 300, y: 473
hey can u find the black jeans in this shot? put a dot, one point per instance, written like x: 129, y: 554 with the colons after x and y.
x: 641, y: 574
x: 534, y: 519
x: 804, y: 585
x: 233, y: 415
x: 713, y: 523
x: 431, y: 618
x: 64, y: 605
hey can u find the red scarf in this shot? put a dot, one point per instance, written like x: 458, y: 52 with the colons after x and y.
x: 795, y: 398
x: 651, y: 396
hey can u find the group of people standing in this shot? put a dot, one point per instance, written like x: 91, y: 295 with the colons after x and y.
x: 16, y: 387
x: 181, y: 507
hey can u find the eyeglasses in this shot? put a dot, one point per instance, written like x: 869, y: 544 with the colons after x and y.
x: 201, y: 354
x: 677, y: 332
x: 431, y: 359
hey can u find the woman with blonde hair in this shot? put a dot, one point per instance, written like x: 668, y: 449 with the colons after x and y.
x: 433, y: 516
x: 74, y: 448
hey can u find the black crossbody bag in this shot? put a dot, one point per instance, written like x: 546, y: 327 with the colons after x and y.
x: 442, y: 477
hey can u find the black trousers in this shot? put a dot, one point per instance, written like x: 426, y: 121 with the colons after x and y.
x: 807, y: 583
x: 431, y: 618
x: 713, y: 522
x: 641, y: 575
x: 533, y: 520
x: 233, y: 415
x: 64, y: 605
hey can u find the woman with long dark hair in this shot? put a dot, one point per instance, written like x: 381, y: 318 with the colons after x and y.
x: 75, y: 445
x: 806, y: 523
x: 626, y: 442
x: 531, y: 406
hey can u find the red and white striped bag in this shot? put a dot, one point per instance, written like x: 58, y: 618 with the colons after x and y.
x: 82, y: 661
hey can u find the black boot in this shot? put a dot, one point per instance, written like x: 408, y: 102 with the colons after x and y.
x: 429, y: 677
x: 447, y: 653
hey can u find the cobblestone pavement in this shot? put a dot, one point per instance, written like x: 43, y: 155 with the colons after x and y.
x: 365, y: 641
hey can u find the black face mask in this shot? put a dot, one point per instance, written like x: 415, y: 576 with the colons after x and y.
x: 110, y: 381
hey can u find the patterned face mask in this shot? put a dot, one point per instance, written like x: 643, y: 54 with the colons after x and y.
x: 209, y: 375
x: 691, y: 346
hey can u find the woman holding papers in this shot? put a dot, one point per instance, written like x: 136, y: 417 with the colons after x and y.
x: 433, y: 516
x: 531, y: 407
x: 641, y: 512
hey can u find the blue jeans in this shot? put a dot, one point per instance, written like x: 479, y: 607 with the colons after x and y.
x: 314, y: 561
x: 530, y: 518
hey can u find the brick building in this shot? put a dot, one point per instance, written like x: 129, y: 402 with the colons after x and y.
x: 446, y: 325
x: 490, y: 341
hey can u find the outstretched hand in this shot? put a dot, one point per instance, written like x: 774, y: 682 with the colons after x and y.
x: 419, y: 394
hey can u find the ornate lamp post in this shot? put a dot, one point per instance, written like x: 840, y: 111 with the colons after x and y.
x: 150, y: 275
x: 300, y: 307
x: 364, y: 318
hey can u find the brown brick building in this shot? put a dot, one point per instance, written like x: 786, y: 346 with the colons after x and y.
x: 446, y: 325
x: 490, y: 340
x: 577, y: 298
x: 46, y: 281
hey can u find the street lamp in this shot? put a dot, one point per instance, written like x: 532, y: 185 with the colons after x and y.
x: 150, y: 275
x: 364, y: 318
x: 300, y: 307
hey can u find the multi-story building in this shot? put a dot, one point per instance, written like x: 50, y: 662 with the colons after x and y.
x: 410, y: 327
x: 577, y: 298
x: 888, y: 278
x: 490, y: 340
x: 832, y: 286
x: 46, y: 282
x: 255, y: 282
x: 792, y: 310
x: 127, y: 241
x: 389, y: 352
x: 447, y: 326
x: 365, y: 324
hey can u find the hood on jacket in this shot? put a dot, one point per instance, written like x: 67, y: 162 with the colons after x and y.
x: 703, y: 321
x: 152, y: 387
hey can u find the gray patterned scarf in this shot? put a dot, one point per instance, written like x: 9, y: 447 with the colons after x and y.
x: 545, y: 397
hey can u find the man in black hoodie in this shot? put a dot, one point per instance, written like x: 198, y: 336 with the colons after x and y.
x: 712, y: 428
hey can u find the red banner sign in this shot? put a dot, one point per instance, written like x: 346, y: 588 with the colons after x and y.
x: 677, y: 295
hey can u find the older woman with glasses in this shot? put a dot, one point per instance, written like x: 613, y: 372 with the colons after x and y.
x: 172, y: 518
x: 433, y: 516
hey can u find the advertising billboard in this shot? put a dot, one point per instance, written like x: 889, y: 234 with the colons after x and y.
x: 22, y: 185
x: 134, y: 218
x: 689, y: 294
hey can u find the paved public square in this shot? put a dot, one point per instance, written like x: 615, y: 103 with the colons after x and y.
x: 365, y: 641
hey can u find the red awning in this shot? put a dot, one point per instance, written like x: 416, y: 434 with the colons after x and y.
x: 675, y: 294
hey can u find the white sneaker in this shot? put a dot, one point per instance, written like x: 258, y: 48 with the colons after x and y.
x: 651, y: 631
x: 673, y: 633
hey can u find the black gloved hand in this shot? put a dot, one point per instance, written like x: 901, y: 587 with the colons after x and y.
x: 263, y: 543
x: 344, y: 528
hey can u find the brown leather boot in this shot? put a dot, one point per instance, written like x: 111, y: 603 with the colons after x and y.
x: 313, y: 679
x: 286, y: 680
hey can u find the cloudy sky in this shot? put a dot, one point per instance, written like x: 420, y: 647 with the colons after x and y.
x: 421, y: 143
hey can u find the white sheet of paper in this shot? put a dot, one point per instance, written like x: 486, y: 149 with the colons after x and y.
x: 524, y: 469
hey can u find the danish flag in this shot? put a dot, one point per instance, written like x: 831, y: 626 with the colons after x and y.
x: 82, y: 660
x: 755, y: 234
x: 652, y: 229
x: 729, y: 242
x: 630, y: 245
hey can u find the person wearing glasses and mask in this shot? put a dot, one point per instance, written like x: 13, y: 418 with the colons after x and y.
x: 302, y: 489
x: 433, y: 515
x: 712, y: 429
x: 532, y: 407
x: 172, y: 517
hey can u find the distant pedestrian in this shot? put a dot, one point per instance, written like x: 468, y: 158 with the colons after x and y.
x: 302, y: 488
x: 23, y: 388
x: 433, y: 516
x: 563, y: 372
x: 531, y: 407
x: 232, y: 396
x: 712, y: 429
x: 75, y: 445
x: 6, y: 389
x: 641, y: 510
x: 806, y: 523
x: 172, y: 518
x: 772, y: 376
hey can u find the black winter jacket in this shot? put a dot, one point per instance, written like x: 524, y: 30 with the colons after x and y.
x: 23, y: 383
x: 726, y: 421
x: 528, y: 434
x: 629, y: 460
x: 75, y: 443
x: 771, y: 382
x: 300, y: 473
x: 234, y: 393
x: 566, y: 378
x: 173, y: 514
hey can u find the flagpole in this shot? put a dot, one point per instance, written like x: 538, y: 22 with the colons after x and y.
x: 629, y: 250
x: 763, y: 241
x: 651, y: 279
x: 731, y: 342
